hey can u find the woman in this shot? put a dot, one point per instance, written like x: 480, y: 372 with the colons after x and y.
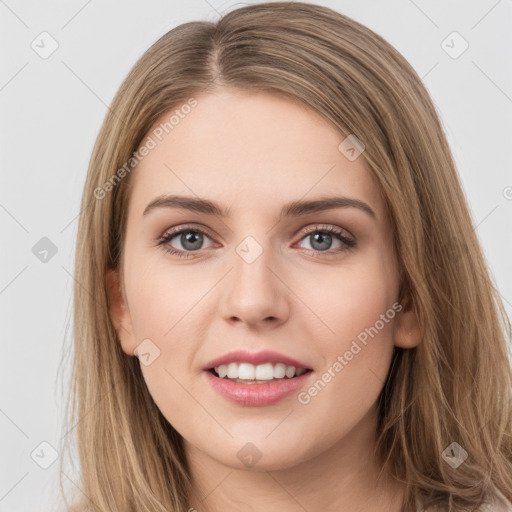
x: 282, y: 303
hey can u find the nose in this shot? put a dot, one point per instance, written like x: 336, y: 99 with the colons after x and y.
x: 255, y: 294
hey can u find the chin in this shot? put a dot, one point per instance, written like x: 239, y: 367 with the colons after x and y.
x: 264, y: 455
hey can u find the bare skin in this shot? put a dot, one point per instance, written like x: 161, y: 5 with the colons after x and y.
x: 253, y: 153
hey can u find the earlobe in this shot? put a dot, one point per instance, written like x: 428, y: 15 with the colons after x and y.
x: 407, y: 332
x: 119, y: 313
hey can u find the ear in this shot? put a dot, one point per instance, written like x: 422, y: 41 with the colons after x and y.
x: 119, y: 313
x: 407, y: 332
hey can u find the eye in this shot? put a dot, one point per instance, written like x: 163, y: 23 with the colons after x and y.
x: 321, y: 239
x: 191, y: 240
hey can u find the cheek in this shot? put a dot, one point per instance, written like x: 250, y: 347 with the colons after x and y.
x: 164, y: 297
x: 356, y: 358
x: 359, y: 309
x: 168, y: 307
x: 353, y: 301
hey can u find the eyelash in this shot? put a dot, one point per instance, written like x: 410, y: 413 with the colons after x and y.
x: 165, y: 240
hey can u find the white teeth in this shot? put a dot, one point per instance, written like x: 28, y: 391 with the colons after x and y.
x: 279, y: 371
x: 232, y: 371
x: 267, y: 371
x: 290, y: 371
x: 246, y: 371
x: 264, y: 372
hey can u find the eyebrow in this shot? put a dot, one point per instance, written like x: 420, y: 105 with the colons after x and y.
x: 292, y: 209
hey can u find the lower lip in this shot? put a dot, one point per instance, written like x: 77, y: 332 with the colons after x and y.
x: 254, y: 395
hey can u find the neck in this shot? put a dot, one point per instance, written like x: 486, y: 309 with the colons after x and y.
x: 346, y: 477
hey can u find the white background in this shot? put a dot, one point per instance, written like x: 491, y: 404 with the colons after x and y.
x: 52, y: 109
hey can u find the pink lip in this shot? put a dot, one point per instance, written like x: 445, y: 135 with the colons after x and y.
x: 256, y: 394
x: 243, y: 356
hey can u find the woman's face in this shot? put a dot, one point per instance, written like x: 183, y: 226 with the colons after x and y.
x: 264, y: 288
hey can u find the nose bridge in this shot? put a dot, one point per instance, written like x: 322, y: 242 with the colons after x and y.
x: 253, y: 278
x: 255, y: 291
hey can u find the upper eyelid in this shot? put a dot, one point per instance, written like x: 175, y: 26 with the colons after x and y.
x: 186, y: 227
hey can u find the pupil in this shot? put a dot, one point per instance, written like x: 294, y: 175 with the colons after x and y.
x: 193, y: 238
x: 322, y: 237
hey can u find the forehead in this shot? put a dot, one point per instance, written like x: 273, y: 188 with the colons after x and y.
x: 243, y: 148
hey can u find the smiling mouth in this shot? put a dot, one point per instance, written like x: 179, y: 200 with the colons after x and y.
x: 247, y: 373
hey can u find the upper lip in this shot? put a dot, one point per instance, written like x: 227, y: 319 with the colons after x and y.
x: 255, y: 358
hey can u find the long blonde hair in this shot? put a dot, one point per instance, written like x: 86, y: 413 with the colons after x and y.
x: 455, y: 386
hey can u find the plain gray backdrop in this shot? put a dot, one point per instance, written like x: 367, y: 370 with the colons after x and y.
x: 61, y: 64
